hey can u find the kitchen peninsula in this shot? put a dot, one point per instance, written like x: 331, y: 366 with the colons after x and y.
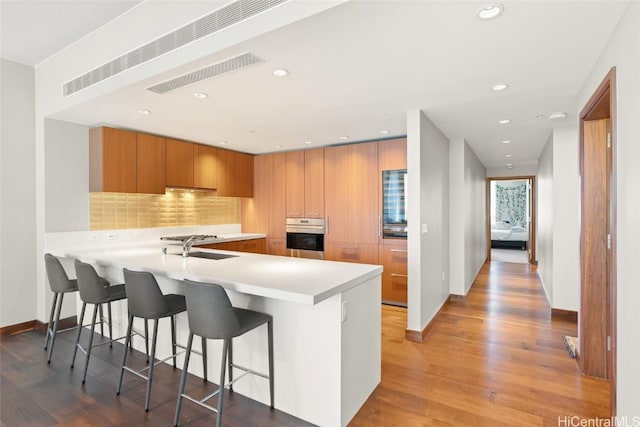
x: 326, y: 322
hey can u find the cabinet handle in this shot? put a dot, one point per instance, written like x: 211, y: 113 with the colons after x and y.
x: 351, y: 248
x: 293, y: 213
x: 399, y: 250
x: 398, y: 275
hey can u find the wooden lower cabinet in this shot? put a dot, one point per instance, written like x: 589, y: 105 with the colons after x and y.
x: 276, y: 246
x: 394, y: 277
x: 363, y: 253
x: 255, y: 246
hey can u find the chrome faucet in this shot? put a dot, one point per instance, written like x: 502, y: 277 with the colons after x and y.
x: 187, y: 244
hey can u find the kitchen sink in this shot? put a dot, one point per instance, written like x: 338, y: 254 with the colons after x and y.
x: 209, y: 255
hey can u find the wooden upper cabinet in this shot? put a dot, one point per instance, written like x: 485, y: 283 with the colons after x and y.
x: 150, y: 161
x: 314, y: 183
x: 392, y: 154
x: 113, y: 163
x: 206, y: 165
x: 277, y: 194
x: 255, y: 210
x: 351, y: 193
x: 294, y: 171
x: 235, y: 174
x: 179, y: 163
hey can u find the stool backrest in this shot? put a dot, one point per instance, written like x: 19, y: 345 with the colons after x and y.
x: 58, y: 279
x: 91, y: 288
x: 145, y: 299
x: 209, y: 311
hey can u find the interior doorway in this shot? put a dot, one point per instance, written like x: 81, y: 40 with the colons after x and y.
x: 511, y: 219
x: 597, y: 325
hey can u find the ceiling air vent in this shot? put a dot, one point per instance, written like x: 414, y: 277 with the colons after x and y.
x: 227, y: 66
x: 205, y: 26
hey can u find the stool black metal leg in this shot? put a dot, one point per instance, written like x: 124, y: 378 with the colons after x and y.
x: 183, y: 379
x: 93, y: 326
x: 54, y: 328
x: 230, y: 362
x: 110, y: 327
x: 204, y: 359
x: 146, y: 337
x: 101, y: 320
x: 53, y: 309
x: 75, y: 347
x: 126, y: 351
x: 270, y: 339
x: 223, y: 365
x: 151, y: 364
x: 173, y: 339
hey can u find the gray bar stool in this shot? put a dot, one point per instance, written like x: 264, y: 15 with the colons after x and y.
x: 60, y: 284
x: 146, y: 301
x: 93, y: 291
x: 212, y: 316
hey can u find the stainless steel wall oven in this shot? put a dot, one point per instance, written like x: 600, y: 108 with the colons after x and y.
x: 305, y: 237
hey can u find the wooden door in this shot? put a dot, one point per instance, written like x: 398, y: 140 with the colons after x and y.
x: 243, y: 175
x: 364, y: 218
x: 594, y: 315
x: 337, y: 189
x: 150, y: 159
x: 112, y: 155
x: 179, y: 163
x: 205, y: 167
x: 277, y: 196
x: 225, y: 173
x: 255, y: 210
x: 314, y: 183
x: 295, y: 183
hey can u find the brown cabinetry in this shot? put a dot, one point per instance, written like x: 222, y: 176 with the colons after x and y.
x: 394, y: 275
x: 150, y: 164
x: 305, y: 183
x: 277, y: 196
x: 112, y: 154
x: 179, y: 163
x: 205, y: 167
x: 351, y: 200
x: 276, y: 246
x: 235, y: 174
x: 256, y: 246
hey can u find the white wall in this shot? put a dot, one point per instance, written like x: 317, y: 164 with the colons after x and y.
x: 467, y: 213
x: 518, y: 170
x: 17, y: 194
x: 66, y: 173
x: 428, y: 175
x: 622, y: 52
x: 544, y: 214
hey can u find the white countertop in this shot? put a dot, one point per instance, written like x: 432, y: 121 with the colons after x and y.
x: 298, y: 280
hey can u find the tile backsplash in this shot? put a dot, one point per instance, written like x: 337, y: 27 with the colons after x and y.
x: 111, y: 211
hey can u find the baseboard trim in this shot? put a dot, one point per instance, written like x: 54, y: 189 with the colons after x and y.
x: 457, y: 298
x: 18, y: 328
x: 564, y: 314
x: 418, y: 336
x: 66, y: 323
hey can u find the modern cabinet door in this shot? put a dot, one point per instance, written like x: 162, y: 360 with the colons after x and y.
x: 243, y: 175
x: 295, y: 183
x: 394, y: 275
x: 255, y: 210
x: 351, y: 193
x: 205, y: 167
x: 364, y: 253
x: 112, y: 154
x: 150, y: 159
x: 277, y: 196
x: 179, y: 163
x: 276, y: 247
x: 314, y: 183
x: 256, y: 246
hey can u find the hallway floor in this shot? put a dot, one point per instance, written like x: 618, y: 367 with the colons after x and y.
x: 495, y: 359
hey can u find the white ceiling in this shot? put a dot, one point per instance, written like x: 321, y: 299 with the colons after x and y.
x: 357, y: 68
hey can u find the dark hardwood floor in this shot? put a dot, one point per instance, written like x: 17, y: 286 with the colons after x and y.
x: 495, y: 359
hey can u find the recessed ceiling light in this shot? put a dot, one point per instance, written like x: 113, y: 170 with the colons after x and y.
x: 506, y: 141
x: 200, y: 95
x: 280, y: 72
x: 540, y: 116
x: 308, y: 142
x: 222, y: 142
x: 507, y: 155
x: 509, y: 166
x: 500, y: 86
x: 557, y: 115
x: 384, y: 132
x: 490, y: 11
x: 278, y: 146
x: 144, y: 112
x: 504, y: 121
x: 344, y: 138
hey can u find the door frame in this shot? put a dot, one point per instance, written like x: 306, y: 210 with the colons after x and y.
x: 532, y: 205
x: 602, y: 104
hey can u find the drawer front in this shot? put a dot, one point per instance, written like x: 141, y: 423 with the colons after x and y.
x: 352, y: 252
x: 276, y: 246
x: 256, y: 246
x: 394, y: 259
x: 394, y: 288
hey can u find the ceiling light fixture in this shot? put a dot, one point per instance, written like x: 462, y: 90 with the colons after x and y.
x: 222, y: 142
x: 280, y: 72
x: 540, y: 116
x: 507, y: 155
x: 490, y: 11
x: 278, y: 147
x: 308, y: 142
x: 509, y: 166
x: 384, y: 132
x: 200, y: 95
x: 506, y: 141
x: 144, y: 112
x: 500, y: 86
x: 504, y: 121
x: 344, y: 138
x: 557, y: 115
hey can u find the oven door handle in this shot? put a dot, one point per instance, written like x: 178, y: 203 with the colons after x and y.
x: 305, y: 230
